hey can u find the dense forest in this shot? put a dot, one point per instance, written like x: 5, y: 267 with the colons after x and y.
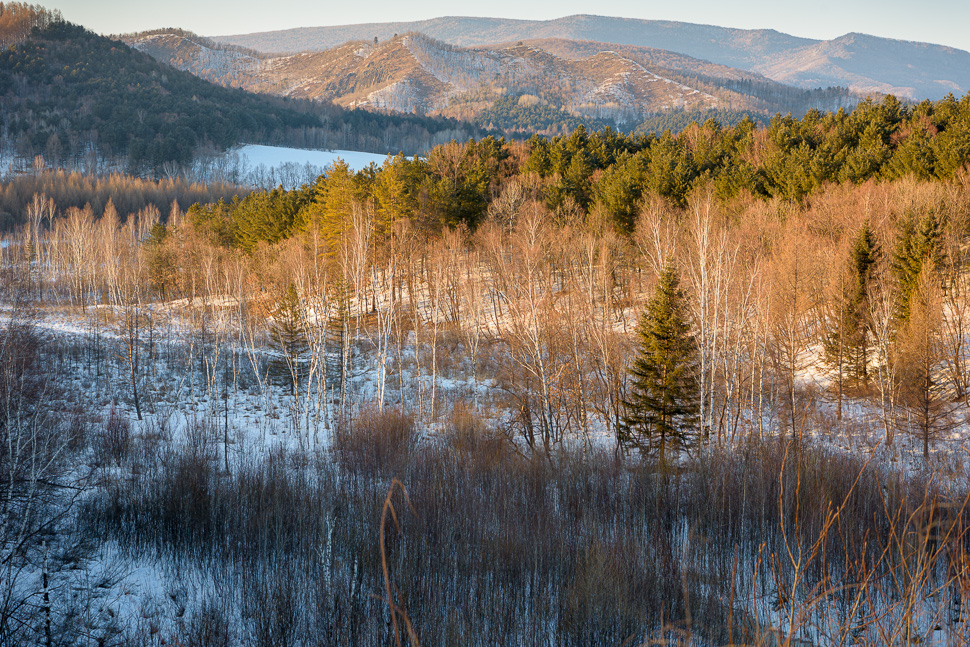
x: 678, y: 121
x: 127, y: 193
x: 606, y: 176
x: 518, y: 114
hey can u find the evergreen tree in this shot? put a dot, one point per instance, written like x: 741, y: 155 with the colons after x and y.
x: 288, y: 337
x: 924, y: 395
x: 920, y: 244
x: 662, y: 411
x: 395, y: 191
x: 846, y: 344
x: 336, y: 193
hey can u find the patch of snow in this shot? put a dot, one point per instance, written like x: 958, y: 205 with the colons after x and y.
x: 268, y: 167
x: 274, y: 156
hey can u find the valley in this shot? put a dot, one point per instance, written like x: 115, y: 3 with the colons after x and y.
x: 481, y: 331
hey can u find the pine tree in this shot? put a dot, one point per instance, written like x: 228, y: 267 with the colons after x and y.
x: 846, y: 344
x: 336, y: 193
x: 288, y: 337
x: 662, y: 411
x: 920, y: 244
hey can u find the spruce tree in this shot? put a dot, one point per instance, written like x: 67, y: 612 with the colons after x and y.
x: 288, y: 337
x: 920, y: 244
x: 662, y: 410
x: 846, y: 344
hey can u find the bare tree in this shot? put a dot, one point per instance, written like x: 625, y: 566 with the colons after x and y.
x: 793, y: 300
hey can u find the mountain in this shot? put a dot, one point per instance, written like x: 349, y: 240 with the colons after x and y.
x: 82, y: 101
x: 414, y: 73
x: 66, y: 92
x: 531, y: 86
x: 868, y: 64
x: 860, y: 62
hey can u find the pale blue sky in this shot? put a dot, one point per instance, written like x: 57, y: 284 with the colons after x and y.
x: 945, y: 22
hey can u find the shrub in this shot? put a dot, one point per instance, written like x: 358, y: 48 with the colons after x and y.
x: 113, y: 440
x: 376, y: 440
x: 466, y: 434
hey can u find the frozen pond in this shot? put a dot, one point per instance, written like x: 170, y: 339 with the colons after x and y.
x: 276, y: 156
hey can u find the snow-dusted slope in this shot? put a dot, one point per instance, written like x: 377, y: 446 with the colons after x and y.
x: 276, y: 156
x: 860, y: 62
x: 413, y: 73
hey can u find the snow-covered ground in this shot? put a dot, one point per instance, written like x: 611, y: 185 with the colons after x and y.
x: 277, y: 156
x: 252, y: 164
x: 244, y: 422
x: 268, y: 167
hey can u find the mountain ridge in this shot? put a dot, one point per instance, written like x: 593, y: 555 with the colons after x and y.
x: 804, y: 62
x: 554, y: 81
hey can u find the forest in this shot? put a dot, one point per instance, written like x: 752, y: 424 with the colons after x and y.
x: 703, y: 388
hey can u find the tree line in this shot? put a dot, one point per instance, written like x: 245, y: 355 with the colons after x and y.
x: 125, y: 193
x: 608, y: 176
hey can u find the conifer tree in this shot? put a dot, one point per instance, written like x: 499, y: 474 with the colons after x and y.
x: 288, y: 336
x: 846, y: 344
x: 924, y: 395
x: 336, y: 193
x: 920, y: 245
x: 662, y: 410
x: 395, y: 192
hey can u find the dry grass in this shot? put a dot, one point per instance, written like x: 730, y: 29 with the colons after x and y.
x: 564, y: 549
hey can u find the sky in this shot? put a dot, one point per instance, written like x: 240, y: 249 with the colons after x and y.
x: 943, y: 22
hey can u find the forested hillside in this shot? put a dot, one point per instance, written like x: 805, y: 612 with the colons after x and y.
x: 66, y: 91
x: 609, y: 175
x: 75, y: 98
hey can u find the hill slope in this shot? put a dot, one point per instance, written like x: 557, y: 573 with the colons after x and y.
x: 65, y: 92
x: 524, y: 86
x: 861, y: 63
x: 80, y: 100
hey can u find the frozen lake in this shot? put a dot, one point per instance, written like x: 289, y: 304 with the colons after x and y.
x: 267, y: 167
x: 276, y: 156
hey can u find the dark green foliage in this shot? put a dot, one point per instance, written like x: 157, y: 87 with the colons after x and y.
x: 460, y: 178
x: 455, y: 183
x: 920, y: 245
x: 288, y: 337
x: 269, y: 217
x: 512, y: 114
x: 214, y: 221
x: 679, y: 120
x: 67, y: 89
x: 671, y: 169
x: 620, y: 190
x: 846, y: 345
x: 663, y: 405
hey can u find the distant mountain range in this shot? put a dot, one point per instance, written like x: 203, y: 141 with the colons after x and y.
x: 862, y: 63
x: 546, y: 85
